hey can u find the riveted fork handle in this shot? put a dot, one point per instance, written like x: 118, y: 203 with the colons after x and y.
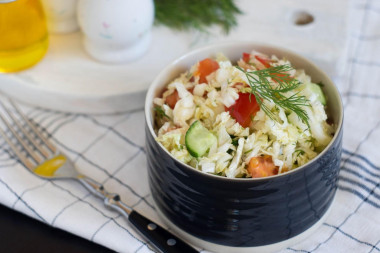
x: 160, y: 238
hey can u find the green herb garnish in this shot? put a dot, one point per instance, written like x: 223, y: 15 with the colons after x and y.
x: 262, y: 89
x: 160, y: 112
x: 196, y: 14
x: 248, y: 151
x: 299, y: 152
x: 235, y: 140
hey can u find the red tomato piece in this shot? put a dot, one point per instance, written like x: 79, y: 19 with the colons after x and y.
x: 246, y: 57
x: 262, y: 166
x: 244, y: 109
x: 205, y: 68
x: 264, y: 61
x: 172, y: 99
x: 279, y: 76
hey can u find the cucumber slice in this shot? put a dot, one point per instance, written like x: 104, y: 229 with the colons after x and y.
x: 315, y: 88
x: 199, y: 139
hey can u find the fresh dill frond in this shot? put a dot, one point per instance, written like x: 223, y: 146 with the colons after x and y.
x: 299, y: 152
x: 248, y: 151
x: 196, y: 14
x: 263, y: 89
x: 311, y: 140
x: 160, y: 112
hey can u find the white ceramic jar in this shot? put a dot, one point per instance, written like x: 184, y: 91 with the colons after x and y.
x: 116, y: 31
x: 61, y: 15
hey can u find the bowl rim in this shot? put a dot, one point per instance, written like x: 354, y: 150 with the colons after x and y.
x: 163, y: 72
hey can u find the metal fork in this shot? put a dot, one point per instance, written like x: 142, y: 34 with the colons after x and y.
x: 43, y: 159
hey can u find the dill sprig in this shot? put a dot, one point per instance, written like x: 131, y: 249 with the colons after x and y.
x: 160, y: 112
x: 196, y: 14
x: 263, y: 89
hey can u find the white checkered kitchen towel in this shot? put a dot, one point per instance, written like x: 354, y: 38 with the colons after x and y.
x: 111, y: 150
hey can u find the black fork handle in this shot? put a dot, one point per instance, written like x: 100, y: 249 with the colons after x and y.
x: 158, y: 237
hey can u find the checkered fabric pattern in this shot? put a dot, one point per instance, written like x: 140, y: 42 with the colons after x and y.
x: 110, y: 149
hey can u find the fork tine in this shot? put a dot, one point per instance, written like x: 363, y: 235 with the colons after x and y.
x: 26, y: 134
x: 20, y: 155
x: 35, y: 130
x: 24, y: 145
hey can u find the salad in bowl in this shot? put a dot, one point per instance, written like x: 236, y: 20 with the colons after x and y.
x: 243, y: 148
x: 257, y: 117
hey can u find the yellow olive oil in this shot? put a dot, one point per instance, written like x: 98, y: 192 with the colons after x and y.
x: 23, y: 34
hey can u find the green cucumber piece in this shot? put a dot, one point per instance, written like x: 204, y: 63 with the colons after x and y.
x: 199, y: 139
x: 315, y: 88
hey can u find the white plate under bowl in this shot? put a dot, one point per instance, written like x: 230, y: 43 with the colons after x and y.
x: 67, y: 79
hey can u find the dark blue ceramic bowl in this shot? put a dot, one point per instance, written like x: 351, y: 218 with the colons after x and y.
x: 223, y: 214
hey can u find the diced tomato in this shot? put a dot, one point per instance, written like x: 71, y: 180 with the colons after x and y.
x: 264, y: 61
x: 205, y: 68
x: 262, y: 166
x: 281, y: 76
x: 246, y: 57
x: 244, y: 109
x: 172, y: 99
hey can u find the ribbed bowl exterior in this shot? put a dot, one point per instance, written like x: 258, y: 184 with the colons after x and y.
x: 243, y: 213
